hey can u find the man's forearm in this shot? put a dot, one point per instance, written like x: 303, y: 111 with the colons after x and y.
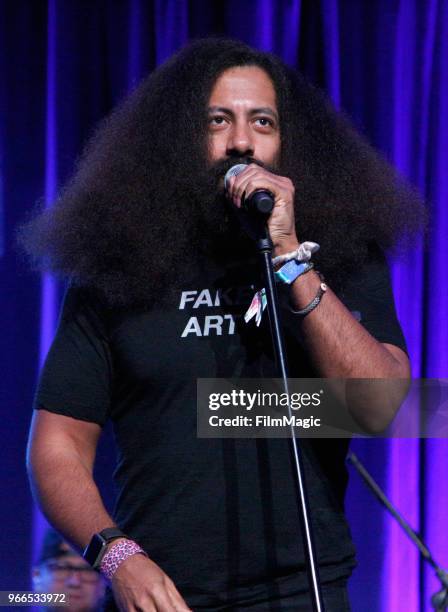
x: 60, y: 468
x: 67, y: 494
x: 339, y: 346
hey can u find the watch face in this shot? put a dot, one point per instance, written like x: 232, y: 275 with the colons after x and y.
x: 92, y: 552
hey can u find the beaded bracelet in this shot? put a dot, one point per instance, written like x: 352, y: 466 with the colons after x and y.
x: 118, y: 553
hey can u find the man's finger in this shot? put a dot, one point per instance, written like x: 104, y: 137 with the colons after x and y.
x: 147, y: 608
x: 177, y: 598
x: 161, y: 599
x: 253, y: 183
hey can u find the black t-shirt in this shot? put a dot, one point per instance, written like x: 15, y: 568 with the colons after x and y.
x: 219, y: 516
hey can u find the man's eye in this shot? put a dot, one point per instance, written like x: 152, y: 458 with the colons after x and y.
x: 217, y: 120
x: 264, y: 122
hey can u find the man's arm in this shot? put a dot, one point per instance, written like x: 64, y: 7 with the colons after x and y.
x: 61, y: 454
x: 338, y: 345
x: 60, y: 459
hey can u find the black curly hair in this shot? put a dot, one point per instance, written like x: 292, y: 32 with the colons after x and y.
x: 143, y: 192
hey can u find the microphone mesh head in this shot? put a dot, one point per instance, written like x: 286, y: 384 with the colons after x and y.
x: 233, y: 171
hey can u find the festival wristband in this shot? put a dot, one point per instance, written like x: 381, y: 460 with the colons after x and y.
x: 118, y: 553
x: 291, y: 270
x: 287, y: 274
x: 303, y: 253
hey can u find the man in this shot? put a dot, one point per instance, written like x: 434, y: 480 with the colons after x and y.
x: 161, y: 275
x: 61, y: 570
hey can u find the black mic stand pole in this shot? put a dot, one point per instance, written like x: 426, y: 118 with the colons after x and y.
x: 264, y: 246
x: 439, y: 600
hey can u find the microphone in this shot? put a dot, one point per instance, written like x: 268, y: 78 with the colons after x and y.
x: 261, y: 202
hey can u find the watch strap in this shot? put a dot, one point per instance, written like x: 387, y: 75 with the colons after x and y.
x: 111, y: 533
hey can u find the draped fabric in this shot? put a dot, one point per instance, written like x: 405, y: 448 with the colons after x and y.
x: 64, y: 64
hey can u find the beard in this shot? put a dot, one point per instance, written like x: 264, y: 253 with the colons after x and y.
x: 223, y: 232
x: 192, y: 227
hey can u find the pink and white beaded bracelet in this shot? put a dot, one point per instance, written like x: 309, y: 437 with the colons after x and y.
x: 116, y: 554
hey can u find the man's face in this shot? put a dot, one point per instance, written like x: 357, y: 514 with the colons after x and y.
x: 72, y: 575
x: 242, y: 116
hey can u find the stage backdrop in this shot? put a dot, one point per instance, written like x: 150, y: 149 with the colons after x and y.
x: 65, y: 63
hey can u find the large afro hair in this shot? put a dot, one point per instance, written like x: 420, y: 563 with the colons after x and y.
x: 137, y: 200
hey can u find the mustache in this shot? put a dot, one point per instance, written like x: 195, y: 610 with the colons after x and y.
x: 204, y: 185
x: 223, y: 165
x: 219, y: 169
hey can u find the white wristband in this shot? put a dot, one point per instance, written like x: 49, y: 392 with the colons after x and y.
x: 303, y: 253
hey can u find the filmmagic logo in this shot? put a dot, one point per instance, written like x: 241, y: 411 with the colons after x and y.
x: 263, y: 421
x: 246, y: 400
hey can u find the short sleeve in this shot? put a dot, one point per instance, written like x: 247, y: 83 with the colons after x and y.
x: 368, y: 295
x: 76, y: 378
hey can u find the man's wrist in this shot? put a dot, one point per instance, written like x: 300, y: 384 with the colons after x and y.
x: 303, y: 289
x: 96, y: 549
x: 286, y: 246
x: 118, y: 553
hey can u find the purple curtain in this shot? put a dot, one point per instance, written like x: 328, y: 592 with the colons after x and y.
x: 65, y: 64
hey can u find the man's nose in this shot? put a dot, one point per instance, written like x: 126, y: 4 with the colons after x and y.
x: 240, y: 141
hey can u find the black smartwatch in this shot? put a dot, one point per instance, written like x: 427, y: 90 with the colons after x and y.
x: 95, y: 551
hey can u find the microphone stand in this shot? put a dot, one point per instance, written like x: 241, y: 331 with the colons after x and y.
x: 439, y: 601
x: 264, y: 247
